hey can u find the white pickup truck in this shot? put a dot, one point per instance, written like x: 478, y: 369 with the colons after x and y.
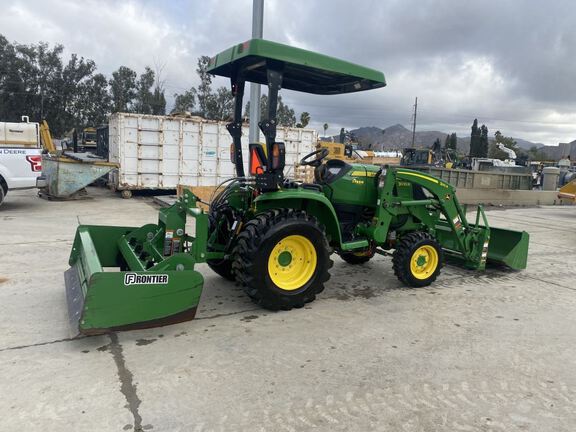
x: 20, y: 156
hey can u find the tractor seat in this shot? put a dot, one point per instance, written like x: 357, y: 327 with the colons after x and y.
x: 331, y: 171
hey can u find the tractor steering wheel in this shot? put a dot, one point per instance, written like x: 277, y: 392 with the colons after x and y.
x: 320, y: 156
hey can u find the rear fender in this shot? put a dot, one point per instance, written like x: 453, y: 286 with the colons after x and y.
x: 314, y: 203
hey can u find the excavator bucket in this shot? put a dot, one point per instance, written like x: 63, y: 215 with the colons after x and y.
x: 508, y: 247
x: 124, y: 278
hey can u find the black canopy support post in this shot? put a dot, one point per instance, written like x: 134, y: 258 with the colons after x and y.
x: 235, y: 126
x: 274, y: 72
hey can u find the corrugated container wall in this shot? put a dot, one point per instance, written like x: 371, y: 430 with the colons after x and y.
x: 161, y: 152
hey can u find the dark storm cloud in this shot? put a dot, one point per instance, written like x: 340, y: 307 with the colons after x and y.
x: 532, y: 44
x: 510, y: 63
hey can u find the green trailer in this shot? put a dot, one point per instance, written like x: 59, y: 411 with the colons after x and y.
x: 272, y: 235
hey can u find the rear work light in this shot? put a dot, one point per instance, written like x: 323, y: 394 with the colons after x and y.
x: 233, y: 153
x: 278, y: 156
x: 35, y: 163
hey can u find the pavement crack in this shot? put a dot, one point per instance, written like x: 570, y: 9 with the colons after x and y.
x: 226, y: 314
x: 127, y: 386
x: 37, y: 242
x: 19, y: 347
x: 550, y: 283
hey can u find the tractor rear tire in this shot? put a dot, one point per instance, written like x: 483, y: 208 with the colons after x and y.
x: 222, y: 266
x: 417, y: 259
x: 361, y: 257
x: 282, y: 259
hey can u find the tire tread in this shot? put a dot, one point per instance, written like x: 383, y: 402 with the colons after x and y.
x: 248, y: 244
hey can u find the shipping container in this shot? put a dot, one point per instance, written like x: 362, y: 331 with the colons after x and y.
x: 467, y: 179
x: 162, y: 152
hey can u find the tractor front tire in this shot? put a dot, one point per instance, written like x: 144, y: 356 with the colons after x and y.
x: 282, y: 259
x: 417, y: 259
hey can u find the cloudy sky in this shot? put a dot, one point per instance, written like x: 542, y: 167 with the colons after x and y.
x: 510, y: 63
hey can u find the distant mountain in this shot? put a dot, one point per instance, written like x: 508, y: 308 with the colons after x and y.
x: 394, y: 137
x: 527, y: 145
x: 398, y: 137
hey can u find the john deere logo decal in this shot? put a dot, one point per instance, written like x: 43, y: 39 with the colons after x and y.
x: 145, y: 279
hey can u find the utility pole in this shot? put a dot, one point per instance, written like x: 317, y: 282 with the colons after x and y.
x: 414, y: 122
x: 41, y: 104
x: 257, y: 25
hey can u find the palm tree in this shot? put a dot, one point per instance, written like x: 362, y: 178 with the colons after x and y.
x: 304, y: 119
x: 325, y: 128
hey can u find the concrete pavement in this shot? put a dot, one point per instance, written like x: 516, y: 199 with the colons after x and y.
x: 474, y: 352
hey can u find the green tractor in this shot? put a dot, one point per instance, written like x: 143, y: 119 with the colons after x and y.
x: 274, y: 236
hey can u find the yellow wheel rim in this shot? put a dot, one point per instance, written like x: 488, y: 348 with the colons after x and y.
x: 424, y: 262
x: 292, y: 262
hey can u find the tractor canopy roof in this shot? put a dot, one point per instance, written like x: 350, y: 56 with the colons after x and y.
x: 303, y: 71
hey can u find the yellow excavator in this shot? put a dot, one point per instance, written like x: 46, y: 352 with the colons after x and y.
x: 426, y: 157
x: 347, y: 153
x: 337, y: 150
x: 88, y: 139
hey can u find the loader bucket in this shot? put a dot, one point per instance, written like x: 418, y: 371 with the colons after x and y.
x: 508, y: 247
x: 481, y: 244
x: 105, y: 293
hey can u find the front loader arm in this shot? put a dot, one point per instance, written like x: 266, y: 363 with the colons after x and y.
x: 439, y: 213
x: 444, y: 196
